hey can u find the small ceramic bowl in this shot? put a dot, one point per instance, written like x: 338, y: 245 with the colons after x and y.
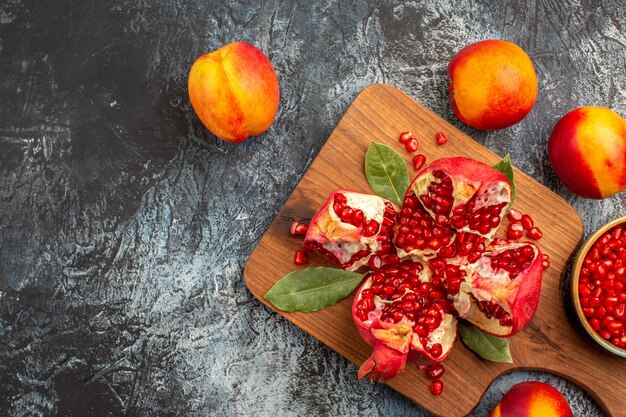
x: 578, y: 262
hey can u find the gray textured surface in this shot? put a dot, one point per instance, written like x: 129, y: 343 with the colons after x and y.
x: 124, y: 225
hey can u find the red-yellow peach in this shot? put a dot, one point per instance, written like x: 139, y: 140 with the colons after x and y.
x: 493, y: 84
x: 587, y: 150
x: 234, y: 91
x: 532, y: 399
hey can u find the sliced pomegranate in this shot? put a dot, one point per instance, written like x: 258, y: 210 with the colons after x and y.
x: 451, y: 195
x: 405, y: 316
x: 502, y: 291
x: 351, y: 227
x: 446, y: 263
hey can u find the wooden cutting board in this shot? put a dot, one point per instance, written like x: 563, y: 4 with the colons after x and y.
x: 550, y: 343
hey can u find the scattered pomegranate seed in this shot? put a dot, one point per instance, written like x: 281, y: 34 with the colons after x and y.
x: 300, y: 258
x: 534, y: 233
x: 515, y: 216
x: 436, y: 387
x: 411, y: 145
x: 442, y: 139
x: 602, y: 286
x: 405, y: 137
x: 298, y: 229
x: 435, y: 371
x: 515, y: 231
x: 418, y: 161
x: 545, y: 262
x: 527, y: 222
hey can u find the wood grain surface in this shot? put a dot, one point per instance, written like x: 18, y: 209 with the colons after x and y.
x: 549, y: 343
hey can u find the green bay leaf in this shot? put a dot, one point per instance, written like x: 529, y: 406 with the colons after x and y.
x: 492, y: 348
x: 506, y: 167
x: 312, y: 289
x: 386, y: 172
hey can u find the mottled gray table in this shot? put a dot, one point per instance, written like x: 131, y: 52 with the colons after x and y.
x: 125, y: 225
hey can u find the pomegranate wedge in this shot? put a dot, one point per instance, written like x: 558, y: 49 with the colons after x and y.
x: 405, y: 316
x: 452, y: 195
x: 351, y: 227
x: 502, y: 292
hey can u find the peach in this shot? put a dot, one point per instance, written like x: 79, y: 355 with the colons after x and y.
x: 493, y: 84
x: 532, y: 399
x: 587, y: 150
x: 234, y: 91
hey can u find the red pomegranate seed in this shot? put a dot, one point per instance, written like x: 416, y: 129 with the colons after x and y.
x: 527, y: 222
x: 411, y: 145
x: 515, y: 216
x: 435, y: 371
x: 418, y: 161
x: 357, y: 218
x: 340, y: 198
x: 374, y: 262
x: 405, y: 137
x: 298, y: 229
x: 595, y: 324
x: 436, y: 350
x: 436, y: 387
x: 370, y: 228
x: 534, y: 233
x: 346, y: 214
x: 441, y: 138
x: 515, y: 231
x: 300, y: 258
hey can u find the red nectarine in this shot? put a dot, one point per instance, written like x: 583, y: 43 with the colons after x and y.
x: 587, y: 150
x: 532, y: 399
x: 234, y: 91
x: 493, y: 84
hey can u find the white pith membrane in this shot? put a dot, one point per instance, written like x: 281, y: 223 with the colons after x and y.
x: 463, y: 190
x: 373, y: 208
x: 445, y: 335
x: 485, y: 284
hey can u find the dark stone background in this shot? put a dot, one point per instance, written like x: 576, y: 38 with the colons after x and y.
x: 125, y: 225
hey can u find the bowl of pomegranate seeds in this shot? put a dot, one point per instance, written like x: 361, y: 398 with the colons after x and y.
x: 599, y: 286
